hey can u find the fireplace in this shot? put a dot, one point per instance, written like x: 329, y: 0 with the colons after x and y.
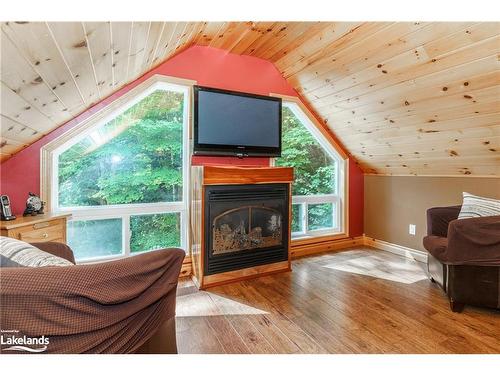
x: 239, y: 223
x: 246, y: 226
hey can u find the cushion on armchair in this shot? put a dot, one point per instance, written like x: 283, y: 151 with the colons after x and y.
x: 476, y: 206
x: 7, y: 262
x: 26, y: 255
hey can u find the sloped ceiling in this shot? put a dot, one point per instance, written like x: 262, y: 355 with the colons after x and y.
x: 404, y: 98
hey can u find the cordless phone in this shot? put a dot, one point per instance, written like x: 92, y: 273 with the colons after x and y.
x: 6, y: 211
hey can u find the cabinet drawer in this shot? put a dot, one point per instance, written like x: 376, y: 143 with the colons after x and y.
x: 50, y: 233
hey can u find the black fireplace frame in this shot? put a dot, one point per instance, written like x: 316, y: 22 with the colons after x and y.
x: 245, y: 194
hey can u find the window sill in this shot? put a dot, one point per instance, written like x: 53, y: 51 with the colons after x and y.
x: 111, y: 258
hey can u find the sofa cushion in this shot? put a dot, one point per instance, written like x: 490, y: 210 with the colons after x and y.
x: 7, y: 262
x: 27, y: 255
x: 475, y: 206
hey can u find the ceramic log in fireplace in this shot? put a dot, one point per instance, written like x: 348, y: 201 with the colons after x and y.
x: 240, y: 223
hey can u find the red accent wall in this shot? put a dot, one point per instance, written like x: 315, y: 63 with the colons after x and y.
x: 356, y: 199
x: 209, y: 67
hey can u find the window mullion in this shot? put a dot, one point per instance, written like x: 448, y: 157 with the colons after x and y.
x: 305, y: 217
x: 145, y: 208
x: 183, y: 232
x: 339, y: 210
x: 335, y: 214
x: 127, y: 234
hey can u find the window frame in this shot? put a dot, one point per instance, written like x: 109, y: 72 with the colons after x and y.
x: 340, y: 196
x: 52, y: 151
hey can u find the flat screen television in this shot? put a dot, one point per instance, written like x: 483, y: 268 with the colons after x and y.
x: 236, y: 123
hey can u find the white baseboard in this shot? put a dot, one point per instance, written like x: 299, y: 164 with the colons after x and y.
x: 407, y: 252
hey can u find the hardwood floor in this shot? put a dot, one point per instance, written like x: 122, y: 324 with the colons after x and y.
x: 355, y: 301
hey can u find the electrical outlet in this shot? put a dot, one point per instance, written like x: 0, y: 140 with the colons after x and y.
x: 412, y: 229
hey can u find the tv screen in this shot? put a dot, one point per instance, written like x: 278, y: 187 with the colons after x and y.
x: 235, y: 123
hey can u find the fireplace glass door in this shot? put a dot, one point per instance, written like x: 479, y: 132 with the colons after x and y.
x: 245, y: 228
x: 246, y: 225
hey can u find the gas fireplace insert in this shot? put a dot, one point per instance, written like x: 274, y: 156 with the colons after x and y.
x: 246, y: 226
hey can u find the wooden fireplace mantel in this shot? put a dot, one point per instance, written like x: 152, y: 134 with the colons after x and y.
x: 202, y: 176
x: 246, y: 175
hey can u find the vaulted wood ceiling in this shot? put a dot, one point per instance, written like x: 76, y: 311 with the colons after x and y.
x: 404, y: 98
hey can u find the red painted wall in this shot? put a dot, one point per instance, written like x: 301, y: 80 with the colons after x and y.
x: 209, y: 67
x: 356, y: 199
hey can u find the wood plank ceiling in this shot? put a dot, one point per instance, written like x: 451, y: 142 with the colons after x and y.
x: 404, y: 98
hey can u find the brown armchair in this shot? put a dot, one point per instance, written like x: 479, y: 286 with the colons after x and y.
x: 108, y: 307
x: 464, y: 257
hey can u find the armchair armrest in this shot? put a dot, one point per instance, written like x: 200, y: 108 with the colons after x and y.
x: 474, y: 241
x: 438, y: 219
x: 56, y: 248
x: 108, y: 307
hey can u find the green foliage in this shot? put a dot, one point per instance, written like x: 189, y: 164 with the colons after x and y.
x: 154, y: 231
x: 95, y: 238
x: 135, y: 158
x: 314, y: 170
x: 320, y: 216
x: 296, y: 218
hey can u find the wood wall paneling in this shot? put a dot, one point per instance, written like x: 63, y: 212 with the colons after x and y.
x: 208, y: 33
x: 25, y: 80
x: 19, y: 109
x: 154, y: 33
x: 99, y: 46
x: 36, y: 44
x: 343, y: 75
x: 139, y: 37
x: 379, y: 86
x: 72, y: 43
x: 255, y: 31
x: 319, y: 47
x: 121, y: 37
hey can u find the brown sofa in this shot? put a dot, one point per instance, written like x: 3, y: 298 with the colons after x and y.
x: 108, y: 307
x: 464, y: 257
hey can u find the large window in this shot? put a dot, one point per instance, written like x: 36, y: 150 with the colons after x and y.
x: 124, y: 179
x: 318, y: 186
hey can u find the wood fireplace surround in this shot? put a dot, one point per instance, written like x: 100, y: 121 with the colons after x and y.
x: 240, y: 222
